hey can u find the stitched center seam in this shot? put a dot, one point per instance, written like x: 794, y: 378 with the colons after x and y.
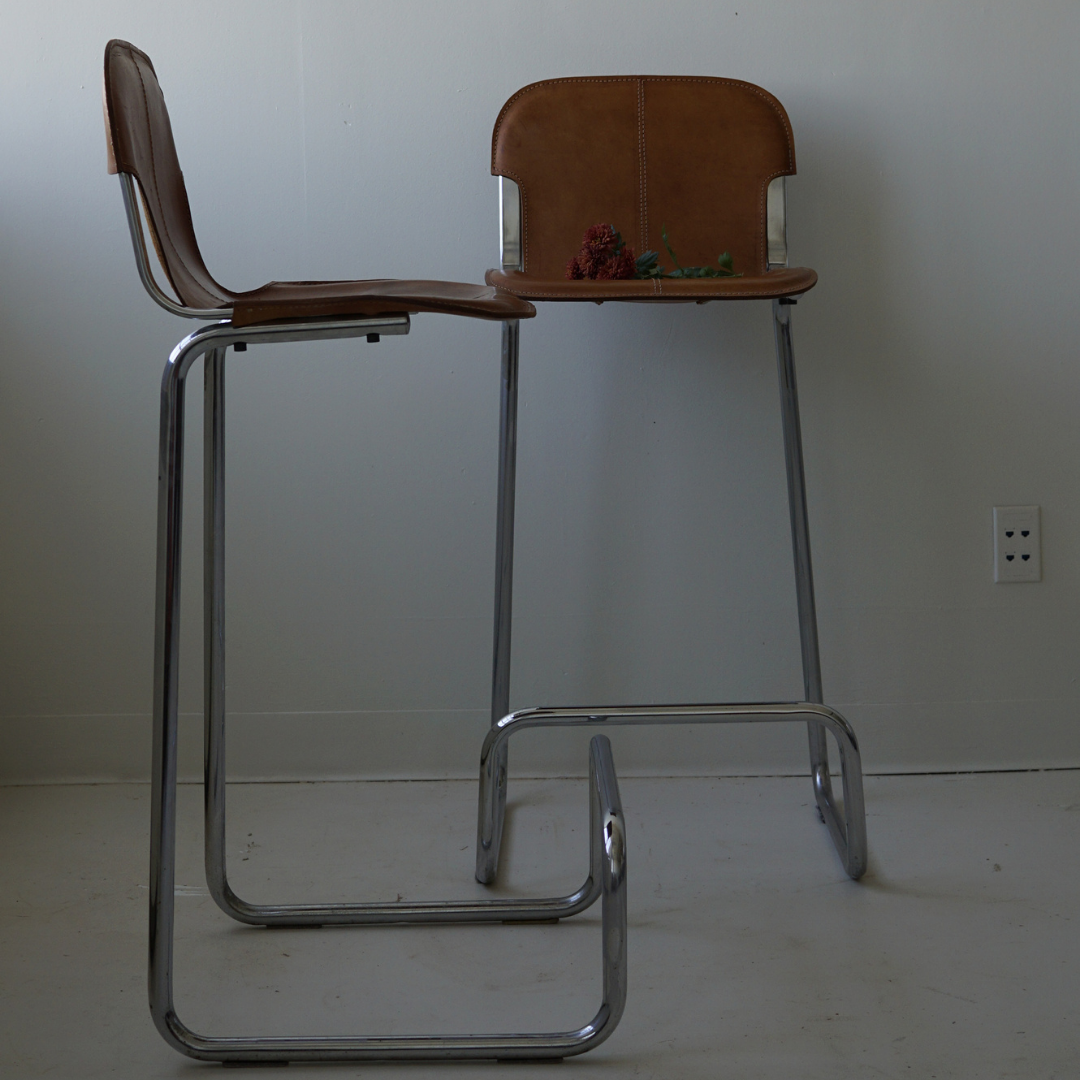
x: 643, y: 241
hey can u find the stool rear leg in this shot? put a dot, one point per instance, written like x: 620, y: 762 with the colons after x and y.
x: 214, y: 625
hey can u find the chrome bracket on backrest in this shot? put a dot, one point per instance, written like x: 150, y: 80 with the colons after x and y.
x: 776, y: 222
x: 142, y: 260
x: 509, y: 225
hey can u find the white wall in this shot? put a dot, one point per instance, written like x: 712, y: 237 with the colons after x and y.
x: 938, y: 164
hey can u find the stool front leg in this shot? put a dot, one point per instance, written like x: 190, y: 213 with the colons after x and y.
x: 504, y: 538
x: 166, y: 680
x: 800, y: 544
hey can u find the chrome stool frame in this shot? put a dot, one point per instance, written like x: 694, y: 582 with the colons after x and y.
x: 607, y: 867
x: 847, y: 827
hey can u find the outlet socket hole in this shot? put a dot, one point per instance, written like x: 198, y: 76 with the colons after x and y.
x: 1017, y: 546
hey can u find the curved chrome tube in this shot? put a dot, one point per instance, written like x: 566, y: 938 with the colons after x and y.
x: 847, y: 824
x: 142, y: 260
x: 547, y: 909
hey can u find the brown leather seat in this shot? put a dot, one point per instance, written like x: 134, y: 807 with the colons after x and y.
x: 141, y: 143
x: 692, y: 155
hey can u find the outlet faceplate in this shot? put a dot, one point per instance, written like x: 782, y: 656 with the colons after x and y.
x: 1017, y: 544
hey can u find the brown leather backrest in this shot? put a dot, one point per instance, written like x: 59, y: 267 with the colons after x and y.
x: 694, y: 155
x: 140, y: 142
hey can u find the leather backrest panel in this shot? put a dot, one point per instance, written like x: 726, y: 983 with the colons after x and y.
x: 694, y: 155
x: 141, y: 143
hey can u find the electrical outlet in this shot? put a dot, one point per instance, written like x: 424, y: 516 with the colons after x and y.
x: 1017, y: 544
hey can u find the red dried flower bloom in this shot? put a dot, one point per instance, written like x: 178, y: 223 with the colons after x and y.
x: 574, y: 270
x: 603, y: 257
x: 617, y: 269
x: 600, y: 241
x: 624, y: 265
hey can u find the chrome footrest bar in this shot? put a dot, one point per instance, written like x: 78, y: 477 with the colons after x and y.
x: 547, y: 909
x: 847, y: 824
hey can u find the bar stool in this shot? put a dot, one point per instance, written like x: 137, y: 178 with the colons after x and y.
x: 706, y: 158
x: 142, y: 152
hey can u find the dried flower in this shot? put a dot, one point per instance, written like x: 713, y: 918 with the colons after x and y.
x: 623, y: 266
x: 575, y: 271
x: 601, y: 242
x: 604, y: 256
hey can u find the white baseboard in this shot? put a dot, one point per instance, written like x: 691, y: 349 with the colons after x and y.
x: 895, y: 737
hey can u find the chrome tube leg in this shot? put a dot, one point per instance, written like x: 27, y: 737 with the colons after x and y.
x: 166, y: 659
x: 504, y: 551
x: 214, y: 626
x: 800, y: 542
x: 607, y: 832
x: 491, y: 809
x: 853, y: 830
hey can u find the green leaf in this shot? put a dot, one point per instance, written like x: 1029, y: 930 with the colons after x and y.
x: 646, y: 261
x: 664, y: 235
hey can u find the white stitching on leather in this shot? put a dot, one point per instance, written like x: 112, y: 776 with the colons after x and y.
x: 643, y: 214
x: 763, y: 94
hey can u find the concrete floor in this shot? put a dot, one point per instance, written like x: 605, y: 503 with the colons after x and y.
x: 750, y: 953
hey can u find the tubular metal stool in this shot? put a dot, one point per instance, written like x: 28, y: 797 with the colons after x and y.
x: 142, y: 152
x: 704, y: 158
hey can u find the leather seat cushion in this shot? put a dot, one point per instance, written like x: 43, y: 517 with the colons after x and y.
x: 787, y: 281
x: 381, y: 296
